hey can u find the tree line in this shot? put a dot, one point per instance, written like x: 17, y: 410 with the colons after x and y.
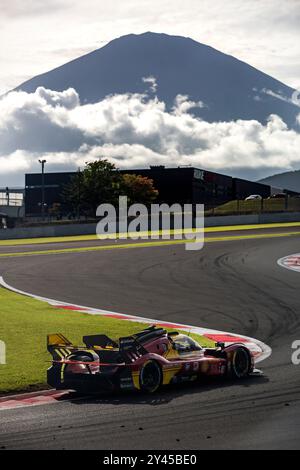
x: 101, y: 182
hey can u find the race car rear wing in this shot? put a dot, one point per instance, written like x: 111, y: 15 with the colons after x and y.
x: 99, y: 340
x: 129, y: 346
x: 57, y: 339
x: 59, y: 346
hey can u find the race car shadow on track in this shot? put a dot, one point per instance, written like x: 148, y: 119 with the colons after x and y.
x: 164, y: 395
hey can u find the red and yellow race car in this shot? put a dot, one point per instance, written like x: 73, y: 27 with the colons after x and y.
x: 144, y: 361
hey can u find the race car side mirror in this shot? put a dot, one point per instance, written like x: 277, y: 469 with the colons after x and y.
x: 220, y: 345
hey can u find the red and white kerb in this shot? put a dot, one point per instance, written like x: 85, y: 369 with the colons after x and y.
x: 291, y: 262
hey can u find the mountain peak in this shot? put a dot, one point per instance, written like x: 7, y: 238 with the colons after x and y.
x: 289, y: 180
x: 229, y: 88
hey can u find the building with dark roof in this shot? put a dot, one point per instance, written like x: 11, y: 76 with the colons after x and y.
x: 183, y: 185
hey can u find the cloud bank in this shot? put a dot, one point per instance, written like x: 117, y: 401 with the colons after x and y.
x: 134, y: 131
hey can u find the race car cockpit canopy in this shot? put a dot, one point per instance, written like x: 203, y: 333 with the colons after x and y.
x: 185, y: 344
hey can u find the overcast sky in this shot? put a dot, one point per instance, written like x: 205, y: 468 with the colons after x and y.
x: 38, y: 35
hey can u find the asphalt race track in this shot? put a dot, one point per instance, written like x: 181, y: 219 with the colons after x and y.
x: 229, y: 285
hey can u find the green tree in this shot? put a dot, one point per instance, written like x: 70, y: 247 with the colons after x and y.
x: 97, y: 183
x: 55, y: 210
x: 101, y: 182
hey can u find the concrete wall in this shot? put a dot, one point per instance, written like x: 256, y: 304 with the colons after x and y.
x: 220, y: 221
x: 87, y: 229
x: 47, y: 231
x: 13, y: 211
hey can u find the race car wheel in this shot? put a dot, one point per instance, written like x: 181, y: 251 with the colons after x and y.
x: 150, y: 377
x: 78, y: 368
x: 240, y: 363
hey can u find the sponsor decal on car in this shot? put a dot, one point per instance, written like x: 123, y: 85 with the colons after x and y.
x: 126, y: 383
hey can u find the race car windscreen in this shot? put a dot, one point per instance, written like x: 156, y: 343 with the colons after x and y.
x: 185, y: 344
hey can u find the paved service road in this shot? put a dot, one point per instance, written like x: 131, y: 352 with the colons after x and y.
x: 230, y: 285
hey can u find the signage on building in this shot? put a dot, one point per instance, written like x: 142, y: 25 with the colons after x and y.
x: 199, y: 174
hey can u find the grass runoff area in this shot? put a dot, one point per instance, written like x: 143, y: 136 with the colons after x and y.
x: 256, y: 206
x: 82, y: 238
x: 24, y: 325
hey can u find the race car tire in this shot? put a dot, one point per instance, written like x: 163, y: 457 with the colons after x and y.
x: 78, y: 368
x: 240, y: 364
x: 150, y: 377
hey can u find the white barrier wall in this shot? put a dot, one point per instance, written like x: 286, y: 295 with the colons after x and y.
x: 88, y: 229
x: 2, y: 352
x: 221, y: 221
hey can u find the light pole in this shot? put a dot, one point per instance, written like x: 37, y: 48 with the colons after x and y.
x: 78, y: 193
x: 7, y: 194
x: 42, y: 162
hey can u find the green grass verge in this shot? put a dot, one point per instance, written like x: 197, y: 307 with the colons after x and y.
x: 256, y: 206
x: 24, y: 325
